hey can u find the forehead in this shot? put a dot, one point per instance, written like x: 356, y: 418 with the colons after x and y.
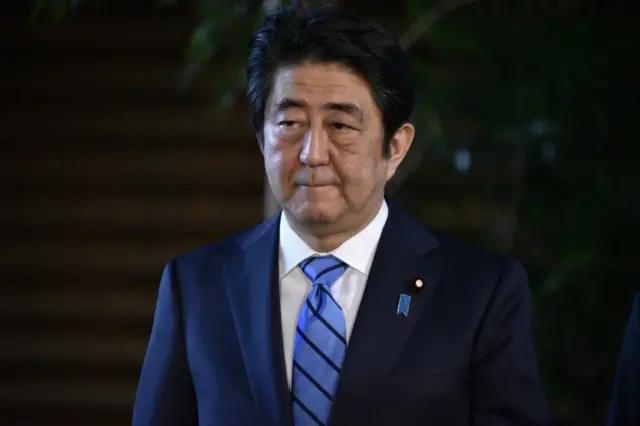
x: 318, y: 84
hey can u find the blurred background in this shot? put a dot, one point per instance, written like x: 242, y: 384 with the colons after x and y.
x: 126, y: 141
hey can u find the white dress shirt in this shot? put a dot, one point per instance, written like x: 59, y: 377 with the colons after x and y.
x: 295, y: 286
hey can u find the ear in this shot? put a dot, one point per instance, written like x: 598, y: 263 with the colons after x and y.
x: 399, y: 147
x: 260, y: 139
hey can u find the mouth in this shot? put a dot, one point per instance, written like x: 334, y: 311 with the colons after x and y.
x: 306, y: 185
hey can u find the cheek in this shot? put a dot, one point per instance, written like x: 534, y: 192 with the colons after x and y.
x: 273, y: 155
x: 359, y: 176
x: 361, y: 168
x: 272, y: 160
x: 280, y: 164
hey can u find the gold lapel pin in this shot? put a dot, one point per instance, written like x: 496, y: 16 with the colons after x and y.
x: 419, y: 283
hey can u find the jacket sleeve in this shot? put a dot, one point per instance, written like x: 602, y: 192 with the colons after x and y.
x: 624, y: 409
x: 165, y: 395
x: 506, y: 386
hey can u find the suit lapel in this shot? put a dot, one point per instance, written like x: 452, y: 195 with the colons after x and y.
x: 255, y: 300
x: 379, y: 333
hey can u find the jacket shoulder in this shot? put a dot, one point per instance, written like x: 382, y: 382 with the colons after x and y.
x: 225, y: 249
x: 468, y: 254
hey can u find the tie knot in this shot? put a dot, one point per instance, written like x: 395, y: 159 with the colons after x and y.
x: 323, y: 270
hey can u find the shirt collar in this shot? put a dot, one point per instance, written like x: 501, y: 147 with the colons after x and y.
x: 357, y: 252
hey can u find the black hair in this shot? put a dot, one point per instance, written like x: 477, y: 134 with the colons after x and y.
x: 292, y: 35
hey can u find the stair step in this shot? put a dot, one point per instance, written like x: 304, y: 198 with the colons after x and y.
x: 86, y: 256
x: 85, y: 302
x: 61, y: 370
x: 25, y: 414
x: 77, y: 392
x: 115, y: 327
x: 228, y: 169
x: 89, y: 38
x: 69, y: 346
x: 122, y: 213
x: 161, y: 120
x: 79, y: 281
x: 109, y: 143
x: 129, y: 80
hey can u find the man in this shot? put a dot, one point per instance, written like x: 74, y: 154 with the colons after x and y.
x: 340, y: 310
x: 625, y: 403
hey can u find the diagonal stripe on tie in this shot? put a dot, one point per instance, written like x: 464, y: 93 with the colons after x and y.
x: 327, y: 270
x: 324, y: 290
x: 305, y: 263
x: 318, y: 350
x: 324, y: 321
x: 317, y: 265
x: 307, y: 411
x: 309, y: 377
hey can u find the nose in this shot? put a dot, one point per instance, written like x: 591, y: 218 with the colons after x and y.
x: 315, y: 147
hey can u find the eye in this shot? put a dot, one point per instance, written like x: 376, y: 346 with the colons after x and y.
x: 288, y: 129
x: 287, y: 123
x: 341, y: 127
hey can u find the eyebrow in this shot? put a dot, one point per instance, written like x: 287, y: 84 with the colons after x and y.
x: 346, y: 107
x: 288, y: 103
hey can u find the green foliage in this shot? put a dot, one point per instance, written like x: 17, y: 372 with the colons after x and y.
x: 552, y: 88
x: 223, y: 34
x: 59, y: 9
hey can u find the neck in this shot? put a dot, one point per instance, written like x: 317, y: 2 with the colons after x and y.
x: 325, y: 243
x: 325, y: 238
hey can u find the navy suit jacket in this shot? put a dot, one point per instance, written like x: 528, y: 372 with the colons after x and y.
x: 625, y: 402
x: 463, y: 355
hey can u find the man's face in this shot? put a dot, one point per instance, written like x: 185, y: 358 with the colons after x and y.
x: 323, y: 146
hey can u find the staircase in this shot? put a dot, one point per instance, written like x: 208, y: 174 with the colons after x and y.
x: 106, y: 171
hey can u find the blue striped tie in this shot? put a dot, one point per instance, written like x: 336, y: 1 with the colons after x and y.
x: 320, y: 344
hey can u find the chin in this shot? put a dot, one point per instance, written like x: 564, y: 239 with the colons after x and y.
x: 310, y: 214
x: 311, y: 218
x: 316, y: 207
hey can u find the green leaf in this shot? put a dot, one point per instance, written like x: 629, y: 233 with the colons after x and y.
x: 560, y: 275
x: 456, y: 39
x: 38, y: 7
x: 62, y: 9
x: 202, y: 45
x: 415, y: 8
